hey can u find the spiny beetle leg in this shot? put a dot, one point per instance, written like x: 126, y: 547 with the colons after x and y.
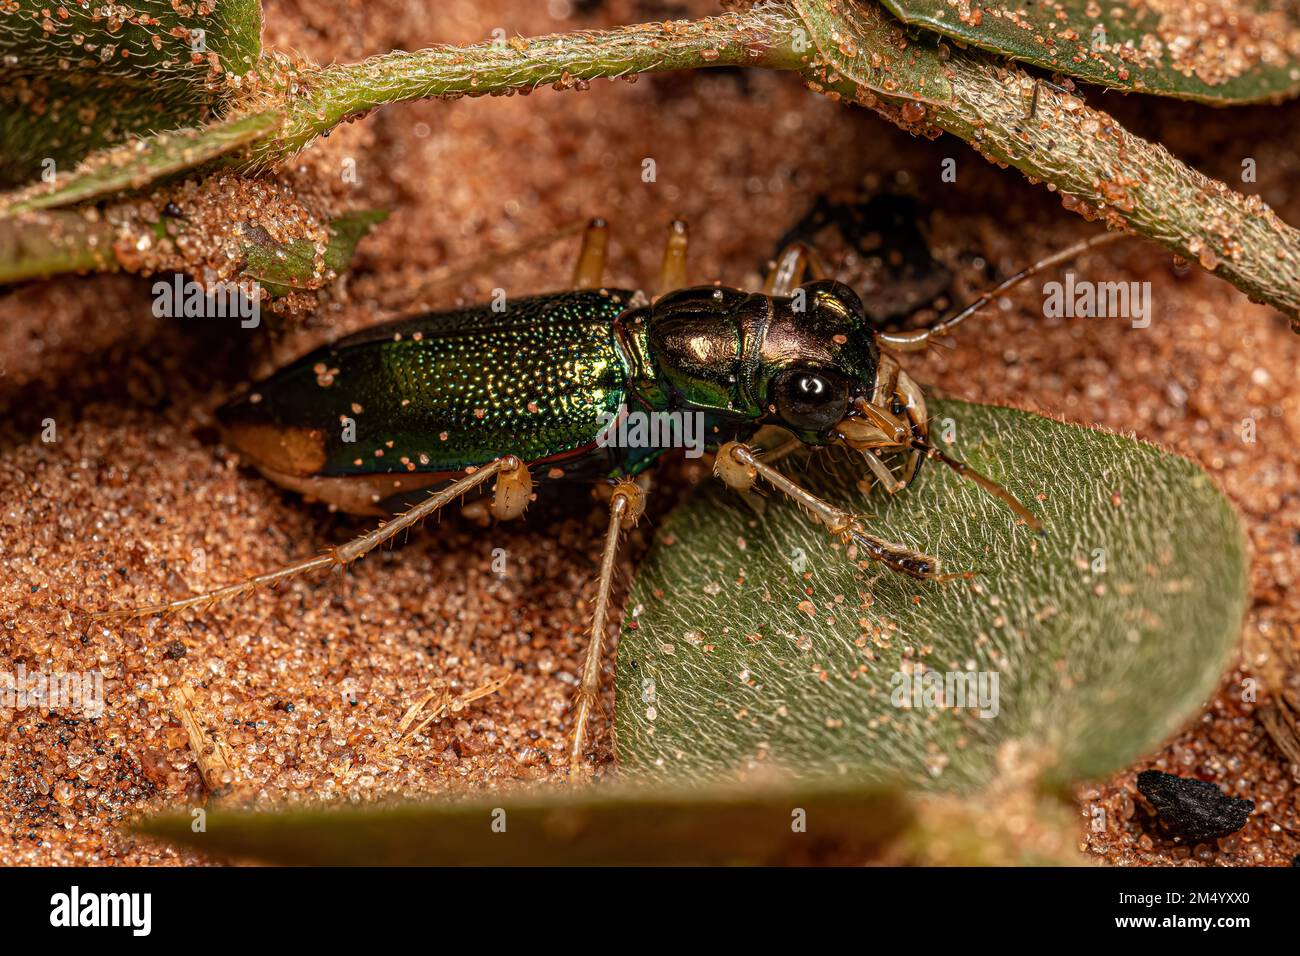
x: 739, y: 466
x: 626, y: 505
x: 507, y: 469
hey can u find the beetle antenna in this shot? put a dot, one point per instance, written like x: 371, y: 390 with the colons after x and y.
x: 920, y: 338
x: 985, y: 482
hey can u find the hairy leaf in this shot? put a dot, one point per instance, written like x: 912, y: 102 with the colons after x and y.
x: 1222, y: 51
x: 281, y: 268
x: 756, y: 641
x: 145, y: 40
x: 139, y: 163
x: 75, y: 78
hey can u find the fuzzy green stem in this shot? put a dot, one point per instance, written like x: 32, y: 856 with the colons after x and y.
x: 45, y: 244
x: 759, y: 38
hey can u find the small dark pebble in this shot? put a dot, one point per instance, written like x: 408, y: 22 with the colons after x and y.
x: 1196, y: 810
x: 175, y: 651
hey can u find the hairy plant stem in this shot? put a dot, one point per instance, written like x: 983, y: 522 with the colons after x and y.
x: 760, y: 38
x: 1082, y: 153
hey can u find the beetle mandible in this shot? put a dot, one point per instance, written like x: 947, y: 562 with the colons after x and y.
x: 444, y: 402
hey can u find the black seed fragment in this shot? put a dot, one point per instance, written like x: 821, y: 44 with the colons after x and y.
x: 1196, y: 810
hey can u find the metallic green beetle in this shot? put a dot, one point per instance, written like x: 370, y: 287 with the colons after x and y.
x: 418, y: 412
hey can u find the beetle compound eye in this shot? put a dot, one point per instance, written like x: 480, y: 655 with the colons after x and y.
x: 811, y: 400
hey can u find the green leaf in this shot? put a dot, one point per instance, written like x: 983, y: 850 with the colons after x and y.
x: 282, y: 268
x: 145, y: 40
x: 1228, y: 52
x: 564, y: 826
x: 76, y: 78
x: 753, y: 642
x: 870, y: 48
x: 139, y: 163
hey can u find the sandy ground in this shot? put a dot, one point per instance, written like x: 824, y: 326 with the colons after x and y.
x: 136, y: 500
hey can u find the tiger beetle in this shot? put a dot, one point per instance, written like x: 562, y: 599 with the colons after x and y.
x: 442, y: 403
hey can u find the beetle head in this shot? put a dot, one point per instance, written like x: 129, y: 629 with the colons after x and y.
x: 817, y: 357
x: 829, y: 382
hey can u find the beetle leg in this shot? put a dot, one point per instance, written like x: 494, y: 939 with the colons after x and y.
x: 739, y: 464
x: 990, y: 486
x: 672, y: 269
x: 589, y: 271
x: 794, y: 261
x: 918, y: 413
x: 625, y: 505
x: 917, y: 339
x: 512, y: 492
x: 507, y: 468
x: 882, y: 473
